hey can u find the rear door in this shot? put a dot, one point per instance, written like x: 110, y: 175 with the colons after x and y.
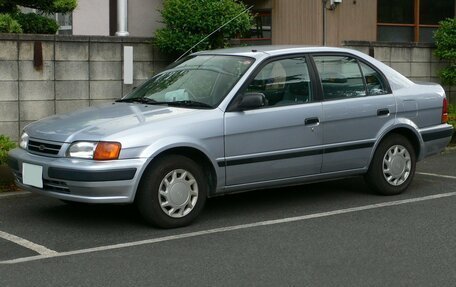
x: 357, y: 103
x: 282, y: 139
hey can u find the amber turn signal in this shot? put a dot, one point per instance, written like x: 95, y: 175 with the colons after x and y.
x: 107, y: 151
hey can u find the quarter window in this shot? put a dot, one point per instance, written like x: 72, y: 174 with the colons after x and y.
x: 340, y: 77
x: 283, y: 82
x: 374, y: 82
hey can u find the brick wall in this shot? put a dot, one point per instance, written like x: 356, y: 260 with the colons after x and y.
x: 76, y: 72
x: 414, y: 60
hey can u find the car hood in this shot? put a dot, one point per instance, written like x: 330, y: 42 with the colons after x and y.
x: 97, y: 123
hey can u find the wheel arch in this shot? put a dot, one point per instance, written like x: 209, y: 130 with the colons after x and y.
x: 194, y: 154
x: 409, y: 132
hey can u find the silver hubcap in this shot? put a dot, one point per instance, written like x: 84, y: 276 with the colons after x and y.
x: 178, y: 193
x: 397, y: 165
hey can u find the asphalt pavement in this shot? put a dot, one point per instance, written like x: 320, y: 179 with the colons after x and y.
x: 335, y: 233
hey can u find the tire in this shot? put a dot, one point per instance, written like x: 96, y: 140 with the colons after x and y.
x: 172, y: 192
x: 393, y: 166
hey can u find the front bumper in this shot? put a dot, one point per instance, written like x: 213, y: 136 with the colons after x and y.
x: 81, y: 180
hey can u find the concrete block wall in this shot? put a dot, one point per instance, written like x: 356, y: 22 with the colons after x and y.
x: 416, y: 61
x: 76, y: 72
x: 82, y: 71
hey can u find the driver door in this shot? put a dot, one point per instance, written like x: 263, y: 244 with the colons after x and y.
x: 282, y: 139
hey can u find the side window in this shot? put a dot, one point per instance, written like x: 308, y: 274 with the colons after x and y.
x: 374, y: 82
x: 283, y: 82
x: 340, y: 77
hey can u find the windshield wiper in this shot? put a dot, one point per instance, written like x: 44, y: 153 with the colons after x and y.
x: 185, y: 103
x: 139, y: 100
x: 188, y: 103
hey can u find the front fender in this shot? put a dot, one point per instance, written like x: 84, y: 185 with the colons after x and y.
x: 162, y: 145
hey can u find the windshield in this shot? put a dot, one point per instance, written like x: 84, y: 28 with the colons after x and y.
x: 199, y: 81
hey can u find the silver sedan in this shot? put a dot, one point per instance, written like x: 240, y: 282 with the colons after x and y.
x: 234, y: 120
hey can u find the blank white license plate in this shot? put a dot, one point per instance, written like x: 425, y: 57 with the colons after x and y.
x: 32, y: 175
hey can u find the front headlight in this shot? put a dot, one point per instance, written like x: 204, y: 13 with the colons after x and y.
x: 82, y: 149
x: 95, y: 150
x: 24, y: 140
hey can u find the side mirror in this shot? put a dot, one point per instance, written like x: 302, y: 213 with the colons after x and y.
x: 252, y: 101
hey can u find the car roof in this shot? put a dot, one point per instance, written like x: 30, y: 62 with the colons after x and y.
x: 261, y: 51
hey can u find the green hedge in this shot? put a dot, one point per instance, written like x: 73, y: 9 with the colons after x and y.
x: 9, y: 25
x: 5, y: 145
x: 445, y: 40
x: 189, y: 21
x: 452, y: 115
x: 32, y: 23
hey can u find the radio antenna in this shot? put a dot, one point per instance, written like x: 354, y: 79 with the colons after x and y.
x: 215, y: 31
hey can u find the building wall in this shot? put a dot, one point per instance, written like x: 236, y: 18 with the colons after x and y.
x: 297, y: 22
x: 352, y: 20
x: 301, y: 22
x: 293, y: 21
x: 77, y: 72
x: 91, y: 18
x: 144, y: 17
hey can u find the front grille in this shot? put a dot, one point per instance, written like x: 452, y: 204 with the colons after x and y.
x: 43, y: 147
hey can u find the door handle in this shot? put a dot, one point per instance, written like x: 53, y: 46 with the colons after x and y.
x: 383, y: 112
x: 311, y: 121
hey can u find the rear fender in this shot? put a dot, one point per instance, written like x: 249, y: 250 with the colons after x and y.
x: 400, y: 125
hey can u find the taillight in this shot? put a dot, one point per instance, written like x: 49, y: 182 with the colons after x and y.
x: 445, y: 111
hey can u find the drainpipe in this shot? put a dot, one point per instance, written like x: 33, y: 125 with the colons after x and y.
x: 122, y: 18
x: 324, y: 22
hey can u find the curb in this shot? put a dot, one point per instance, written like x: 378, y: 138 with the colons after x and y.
x: 14, y: 194
x: 450, y: 149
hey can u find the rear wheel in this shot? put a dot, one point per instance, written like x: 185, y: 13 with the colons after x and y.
x: 393, y: 166
x: 172, y: 192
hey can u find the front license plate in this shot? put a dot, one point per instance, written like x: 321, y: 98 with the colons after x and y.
x: 32, y: 175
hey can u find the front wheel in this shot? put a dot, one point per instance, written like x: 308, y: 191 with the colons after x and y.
x: 393, y: 166
x: 172, y: 192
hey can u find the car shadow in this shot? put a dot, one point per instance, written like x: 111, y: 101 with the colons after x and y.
x: 243, y: 207
x: 297, y: 197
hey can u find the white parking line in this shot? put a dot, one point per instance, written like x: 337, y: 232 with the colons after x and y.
x: 228, y: 228
x: 437, y: 175
x: 27, y: 244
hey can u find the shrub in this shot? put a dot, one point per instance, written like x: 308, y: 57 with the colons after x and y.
x: 445, y: 40
x: 32, y: 23
x: 189, y: 21
x: 5, y: 145
x: 9, y: 25
x: 45, y: 6
x: 452, y: 115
